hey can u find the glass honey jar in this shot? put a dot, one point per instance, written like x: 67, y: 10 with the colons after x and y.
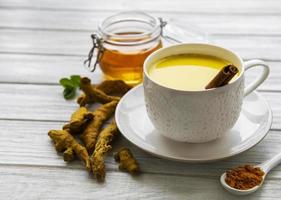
x: 122, y: 43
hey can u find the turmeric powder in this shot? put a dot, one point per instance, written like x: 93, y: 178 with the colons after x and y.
x: 102, y: 147
x: 91, y: 132
x: 127, y: 161
x: 78, y: 120
x: 244, y: 177
x: 92, y: 94
x: 66, y: 143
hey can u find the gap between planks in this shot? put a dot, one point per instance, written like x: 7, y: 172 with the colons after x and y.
x: 66, y: 121
x: 92, y: 31
x: 80, y: 167
x: 57, y: 84
x: 85, y: 55
x: 109, y: 10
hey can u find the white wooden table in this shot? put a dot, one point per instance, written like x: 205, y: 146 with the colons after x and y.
x: 42, y: 41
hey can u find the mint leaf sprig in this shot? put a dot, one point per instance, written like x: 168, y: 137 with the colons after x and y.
x: 70, y: 86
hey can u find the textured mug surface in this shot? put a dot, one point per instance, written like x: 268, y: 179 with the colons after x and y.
x: 196, y: 116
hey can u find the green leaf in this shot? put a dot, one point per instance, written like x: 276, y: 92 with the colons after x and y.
x: 70, y: 86
x: 65, y: 82
x: 75, y: 79
x: 69, y: 92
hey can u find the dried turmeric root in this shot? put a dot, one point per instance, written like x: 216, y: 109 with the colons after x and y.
x: 91, y: 132
x: 114, y: 87
x: 92, y: 94
x: 127, y: 161
x: 102, y: 147
x: 78, y: 120
x: 66, y: 143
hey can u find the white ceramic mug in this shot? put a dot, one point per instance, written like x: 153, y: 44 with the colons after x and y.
x: 198, y: 116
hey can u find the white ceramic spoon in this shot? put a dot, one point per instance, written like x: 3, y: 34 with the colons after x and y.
x: 266, y: 167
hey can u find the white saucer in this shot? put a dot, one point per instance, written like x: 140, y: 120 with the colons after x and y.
x: 252, y: 126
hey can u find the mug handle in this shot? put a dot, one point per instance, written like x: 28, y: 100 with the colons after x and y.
x: 260, y: 79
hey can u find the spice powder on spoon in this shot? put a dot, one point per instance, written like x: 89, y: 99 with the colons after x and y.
x: 244, y: 177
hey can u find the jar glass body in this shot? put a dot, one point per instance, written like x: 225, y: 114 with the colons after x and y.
x: 128, y: 38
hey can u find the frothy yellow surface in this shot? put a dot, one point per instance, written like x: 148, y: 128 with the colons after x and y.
x: 189, y: 72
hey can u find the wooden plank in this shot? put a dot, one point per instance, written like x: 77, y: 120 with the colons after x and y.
x: 42, y: 42
x: 30, y: 146
x: 73, y: 184
x: 26, y: 182
x: 45, y: 102
x: 200, y: 6
x: 88, y: 21
x: 251, y: 46
x: 42, y: 69
x: 79, y: 43
x: 49, y: 69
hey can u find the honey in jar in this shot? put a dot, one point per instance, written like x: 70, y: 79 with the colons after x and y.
x: 125, y: 41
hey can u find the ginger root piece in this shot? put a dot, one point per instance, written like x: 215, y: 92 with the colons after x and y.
x: 91, y: 132
x: 66, y: 143
x: 78, y: 120
x: 127, y: 161
x: 102, y: 147
x: 92, y: 94
x: 113, y: 87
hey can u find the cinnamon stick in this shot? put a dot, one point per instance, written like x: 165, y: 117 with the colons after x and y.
x: 223, y: 77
